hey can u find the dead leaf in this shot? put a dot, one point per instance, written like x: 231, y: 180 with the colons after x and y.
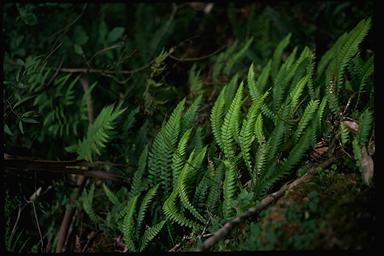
x: 367, y: 166
x: 351, y: 125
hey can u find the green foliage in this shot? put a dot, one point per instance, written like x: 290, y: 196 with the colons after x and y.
x: 98, y: 134
x: 197, y: 167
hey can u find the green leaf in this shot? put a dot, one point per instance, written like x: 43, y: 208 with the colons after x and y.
x: 30, y: 120
x: 115, y: 34
x: 21, y: 127
x: 78, y: 49
x: 80, y: 37
x: 7, y: 130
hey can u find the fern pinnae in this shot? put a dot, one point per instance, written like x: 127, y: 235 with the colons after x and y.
x: 229, y: 187
x: 178, y: 157
x: 137, y: 181
x: 260, y: 162
x: 246, y: 135
x: 259, y: 129
x: 172, y: 214
x: 150, y: 234
x: 160, y: 159
x: 365, y: 125
x: 88, y: 205
x: 216, y: 177
x: 350, y: 48
x: 110, y: 195
x: 191, y: 113
x: 306, y: 117
x: 128, y: 227
x: 216, y: 117
x: 144, y: 206
x: 98, y: 133
x: 230, y: 120
x: 344, y: 133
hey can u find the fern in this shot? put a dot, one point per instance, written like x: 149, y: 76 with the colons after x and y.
x: 150, y: 233
x: 350, y: 47
x: 259, y: 129
x: 183, y: 190
x: 178, y: 157
x: 256, y: 88
x: 230, y: 121
x: 216, y: 117
x: 365, y: 125
x: 128, y: 227
x: 305, y: 118
x: 344, y: 134
x: 98, y: 134
x: 229, y: 188
x: 216, y: 180
x: 110, y: 195
x: 160, y: 157
x: 137, y: 181
x: 87, y: 205
x: 172, y: 214
x: 260, y: 162
x: 190, y: 114
x: 144, y: 206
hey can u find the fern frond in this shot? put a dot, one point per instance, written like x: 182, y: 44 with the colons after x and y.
x: 236, y: 57
x: 87, y: 205
x: 110, y: 195
x: 195, y: 84
x: 231, y: 119
x: 305, y: 118
x: 257, y: 88
x: 275, y: 140
x: 344, y: 133
x: 350, y: 48
x: 322, y: 106
x: 216, y: 117
x: 365, y: 125
x: 246, y: 134
x: 178, y: 157
x: 150, y: 233
x: 160, y: 156
x: 128, y: 226
x: 260, y: 162
x: 144, y: 206
x: 190, y: 115
x: 296, y: 92
x: 259, y: 129
x: 182, y: 190
x: 137, y: 181
x: 215, y: 185
x: 172, y: 214
x: 229, y: 188
x: 98, y: 134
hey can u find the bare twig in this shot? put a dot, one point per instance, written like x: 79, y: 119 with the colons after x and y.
x: 182, y: 59
x: 222, y: 232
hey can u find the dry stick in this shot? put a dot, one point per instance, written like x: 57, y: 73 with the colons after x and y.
x: 68, y: 215
x: 222, y: 232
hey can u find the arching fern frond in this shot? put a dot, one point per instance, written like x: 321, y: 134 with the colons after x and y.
x: 229, y: 188
x: 160, y: 156
x: 137, y: 181
x: 172, y: 214
x: 128, y: 225
x: 144, y: 206
x: 231, y: 119
x: 150, y: 233
x: 190, y: 114
x: 178, y: 157
x: 305, y: 118
x: 110, y: 195
x: 98, y: 134
x: 87, y: 204
x: 216, y: 117
x: 365, y: 124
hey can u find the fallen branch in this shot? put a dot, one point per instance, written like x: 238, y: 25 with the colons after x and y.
x: 222, y: 232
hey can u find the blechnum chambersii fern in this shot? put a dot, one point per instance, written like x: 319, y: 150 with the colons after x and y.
x: 262, y: 126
